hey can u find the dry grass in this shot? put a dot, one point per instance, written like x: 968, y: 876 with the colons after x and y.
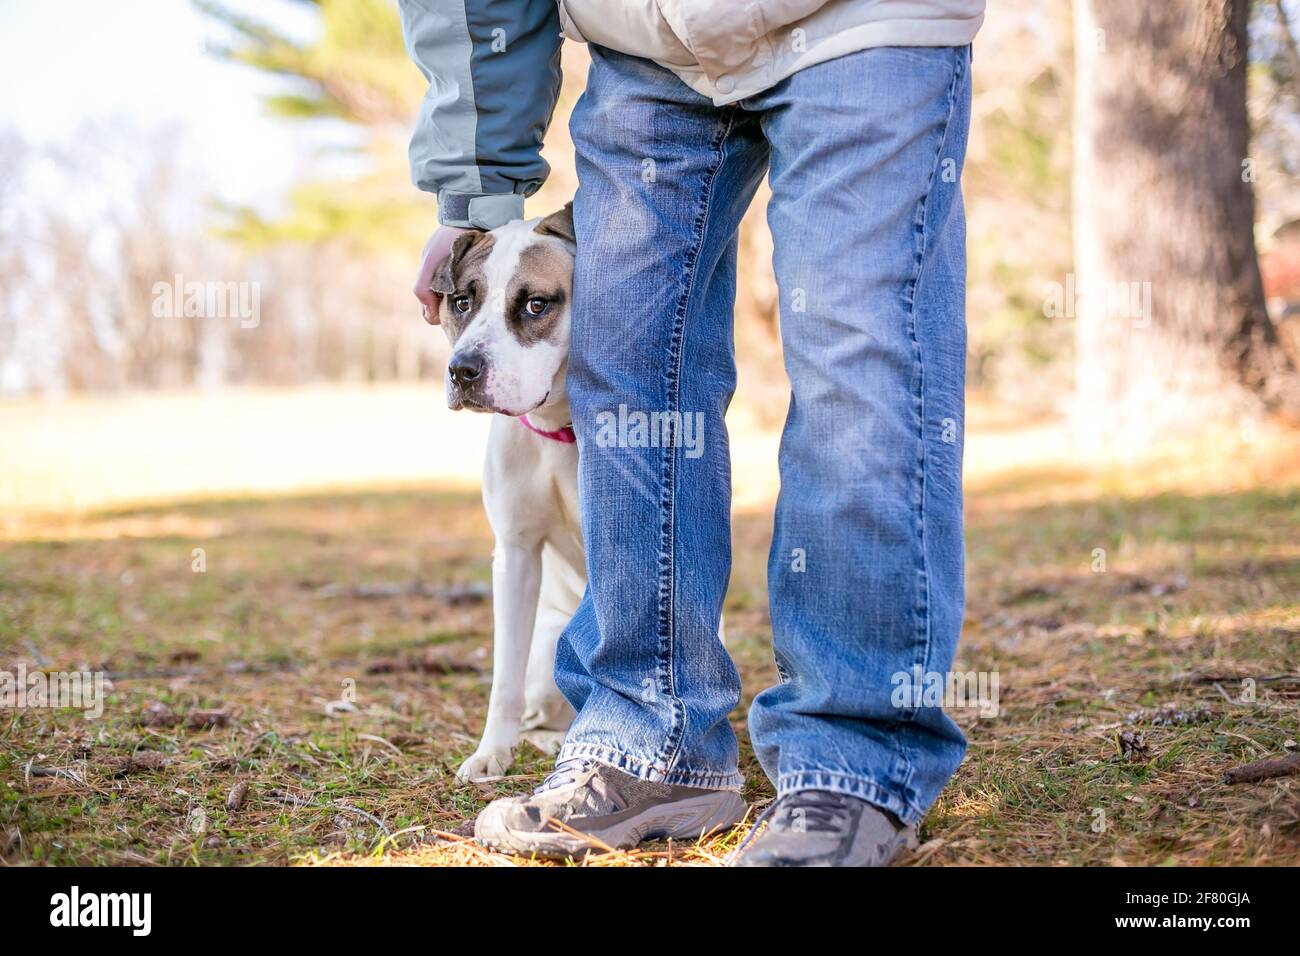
x: 1199, y: 593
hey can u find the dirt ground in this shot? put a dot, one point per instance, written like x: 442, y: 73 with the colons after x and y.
x: 296, y: 675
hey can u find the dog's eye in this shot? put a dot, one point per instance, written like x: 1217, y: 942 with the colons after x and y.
x: 461, y: 303
x: 536, y: 306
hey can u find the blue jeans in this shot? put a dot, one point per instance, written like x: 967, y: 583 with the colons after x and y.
x: 865, y: 573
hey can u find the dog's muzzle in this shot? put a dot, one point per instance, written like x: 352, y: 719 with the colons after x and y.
x: 466, y: 373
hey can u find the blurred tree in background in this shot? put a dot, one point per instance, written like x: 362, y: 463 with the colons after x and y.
x: 1173, y: 329
x: 1017, y: 189
x: 1274, y: 100
x: 334, y: 264
x: 355, y: 71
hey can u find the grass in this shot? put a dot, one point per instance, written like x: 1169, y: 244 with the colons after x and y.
x: 232, y: 675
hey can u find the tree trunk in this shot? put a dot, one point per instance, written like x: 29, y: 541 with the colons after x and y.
x: 1171, y: 326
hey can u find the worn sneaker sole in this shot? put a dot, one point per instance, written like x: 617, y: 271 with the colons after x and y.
x: 681, y: 820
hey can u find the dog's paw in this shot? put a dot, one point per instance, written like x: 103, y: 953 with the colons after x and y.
x: 484, y: 764
x: 547, y: 741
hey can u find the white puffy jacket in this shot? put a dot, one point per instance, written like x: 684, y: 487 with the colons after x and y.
x: 730, y: 49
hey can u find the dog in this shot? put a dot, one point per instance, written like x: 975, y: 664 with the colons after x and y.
x: 506, y: 298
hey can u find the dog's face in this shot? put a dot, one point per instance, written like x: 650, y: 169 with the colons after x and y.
x: 505, y: 308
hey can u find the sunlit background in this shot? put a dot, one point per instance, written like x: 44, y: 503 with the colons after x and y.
x: 263, y: 144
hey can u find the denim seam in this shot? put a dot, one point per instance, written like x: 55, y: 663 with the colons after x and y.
x: 654, y: 771
x: 878, y: 794
x: 922, y: 610
x: 668, y: 501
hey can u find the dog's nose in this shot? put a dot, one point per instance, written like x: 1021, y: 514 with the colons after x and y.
x: 466, y: 369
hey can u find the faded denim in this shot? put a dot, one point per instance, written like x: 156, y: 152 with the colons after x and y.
x: 865, y: 574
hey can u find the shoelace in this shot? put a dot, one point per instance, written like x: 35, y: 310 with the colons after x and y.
x: 565, y: 772
x: 823, y: 812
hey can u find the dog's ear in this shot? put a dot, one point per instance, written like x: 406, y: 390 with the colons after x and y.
x: 559, y: 224
x: 443, y: 281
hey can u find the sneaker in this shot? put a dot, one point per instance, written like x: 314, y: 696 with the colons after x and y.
x: 584, y: 806
x: 821, y: 828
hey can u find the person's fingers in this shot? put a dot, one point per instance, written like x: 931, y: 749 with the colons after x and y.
x: 425, y: 294
x: 427, y: 297
x: 435, y: 253
x: 429, y: 303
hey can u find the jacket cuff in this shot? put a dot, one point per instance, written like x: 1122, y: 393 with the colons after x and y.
x: 479, y: 211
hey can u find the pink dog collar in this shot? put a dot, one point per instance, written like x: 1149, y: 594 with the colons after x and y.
x: 565, y: 434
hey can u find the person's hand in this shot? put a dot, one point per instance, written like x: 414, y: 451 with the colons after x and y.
x: 436, y: 251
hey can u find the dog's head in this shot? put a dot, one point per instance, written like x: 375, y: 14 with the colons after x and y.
x: 505, y: 308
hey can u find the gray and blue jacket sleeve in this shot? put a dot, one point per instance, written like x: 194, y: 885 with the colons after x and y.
x: 493, y: 68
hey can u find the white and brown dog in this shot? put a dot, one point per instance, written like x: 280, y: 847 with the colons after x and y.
x: 506, y: 297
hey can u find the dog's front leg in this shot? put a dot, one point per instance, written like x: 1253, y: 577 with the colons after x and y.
x: 516, y: 583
